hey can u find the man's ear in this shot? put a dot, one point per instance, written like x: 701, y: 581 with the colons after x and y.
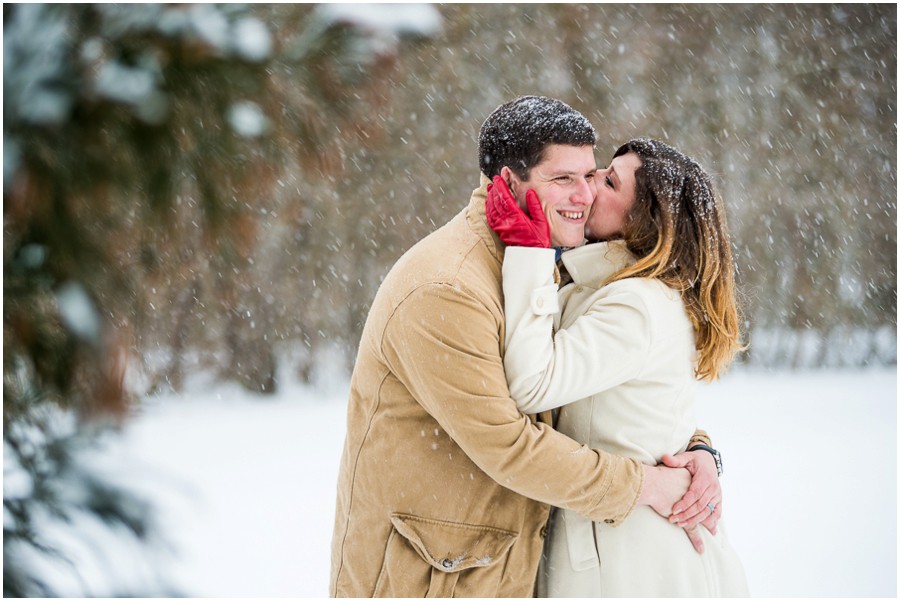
x: 510, y: 178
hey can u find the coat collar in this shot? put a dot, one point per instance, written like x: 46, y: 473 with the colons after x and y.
x: 591, y: 264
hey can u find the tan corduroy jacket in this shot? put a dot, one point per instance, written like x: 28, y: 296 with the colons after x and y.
x: 444, y: 487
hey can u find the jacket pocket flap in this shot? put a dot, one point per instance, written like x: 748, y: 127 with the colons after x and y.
x: 451, y: 546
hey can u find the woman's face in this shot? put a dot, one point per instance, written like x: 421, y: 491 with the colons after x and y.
x: 615, y: 197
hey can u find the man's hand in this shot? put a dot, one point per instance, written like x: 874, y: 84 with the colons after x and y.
x: 663, y: 487
x: 666, y: 490
x: 507, y: 218
x: 703, y: 502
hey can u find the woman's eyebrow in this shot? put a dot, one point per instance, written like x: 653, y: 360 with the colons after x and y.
x: 614, y: 176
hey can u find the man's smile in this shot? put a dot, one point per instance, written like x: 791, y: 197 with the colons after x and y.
x: 572, y: 215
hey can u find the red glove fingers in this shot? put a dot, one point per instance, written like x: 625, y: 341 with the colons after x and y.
x: 500, y: 205
x: 538, y: 217
x: 507, y: 218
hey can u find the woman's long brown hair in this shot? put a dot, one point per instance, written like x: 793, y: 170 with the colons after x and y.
x: 676, y: 228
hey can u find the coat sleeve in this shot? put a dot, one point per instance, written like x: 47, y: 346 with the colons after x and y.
x: 601, y: 349
x: 444, y: 344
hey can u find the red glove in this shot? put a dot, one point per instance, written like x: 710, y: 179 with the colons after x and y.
x: 507, y: 218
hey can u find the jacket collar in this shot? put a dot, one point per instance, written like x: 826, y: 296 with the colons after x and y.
x: 591, y: 264
x: 477, y: 220
x: 476, y: 217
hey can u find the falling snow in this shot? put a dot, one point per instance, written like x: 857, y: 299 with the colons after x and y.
x: 359, y: 125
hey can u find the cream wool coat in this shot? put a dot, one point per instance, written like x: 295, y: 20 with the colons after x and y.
x: 444, y: 486
x: 621, y: 369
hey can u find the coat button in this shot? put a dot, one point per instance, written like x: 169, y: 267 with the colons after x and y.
x: 543, y: 532
x: 447, y: 564
x: 578, y: 289
x: 539, y: 302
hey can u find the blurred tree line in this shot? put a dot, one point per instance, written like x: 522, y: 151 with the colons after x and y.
x: 165, y: 167
x: 792, y: 108
x: 220, y: 189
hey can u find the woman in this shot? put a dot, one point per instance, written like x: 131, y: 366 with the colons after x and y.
x: 650, y: 310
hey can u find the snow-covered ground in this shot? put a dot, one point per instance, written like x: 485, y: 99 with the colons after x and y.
x: 245, y: 485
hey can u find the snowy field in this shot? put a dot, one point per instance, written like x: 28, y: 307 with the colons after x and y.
x: 245, y: 485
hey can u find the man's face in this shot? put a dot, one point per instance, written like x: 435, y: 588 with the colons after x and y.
x: 564, y: 183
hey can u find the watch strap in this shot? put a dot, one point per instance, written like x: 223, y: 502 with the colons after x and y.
x: 716, y: 455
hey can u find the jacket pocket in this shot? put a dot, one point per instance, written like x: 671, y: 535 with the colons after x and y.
x: 435, y: 558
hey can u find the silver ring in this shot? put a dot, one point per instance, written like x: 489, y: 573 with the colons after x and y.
x: 712, y: 507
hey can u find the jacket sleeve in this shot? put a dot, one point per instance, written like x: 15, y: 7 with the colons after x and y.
x: 444, y: 344
x: 601, y: 349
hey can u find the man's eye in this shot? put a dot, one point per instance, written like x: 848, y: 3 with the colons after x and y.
x: 589, y: 176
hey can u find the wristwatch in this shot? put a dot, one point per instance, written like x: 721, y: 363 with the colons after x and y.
x: 716, y: 455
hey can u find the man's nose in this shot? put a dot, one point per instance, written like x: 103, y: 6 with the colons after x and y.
x: 585, y: 193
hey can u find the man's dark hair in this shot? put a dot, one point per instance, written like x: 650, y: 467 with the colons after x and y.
x: 517, y: 133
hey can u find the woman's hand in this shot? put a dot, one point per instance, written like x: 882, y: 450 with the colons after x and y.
x: 507, y: 218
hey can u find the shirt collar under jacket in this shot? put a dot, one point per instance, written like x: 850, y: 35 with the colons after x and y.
x: 591, y: 264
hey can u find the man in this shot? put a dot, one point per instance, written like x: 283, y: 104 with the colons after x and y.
x: 444, y: 487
